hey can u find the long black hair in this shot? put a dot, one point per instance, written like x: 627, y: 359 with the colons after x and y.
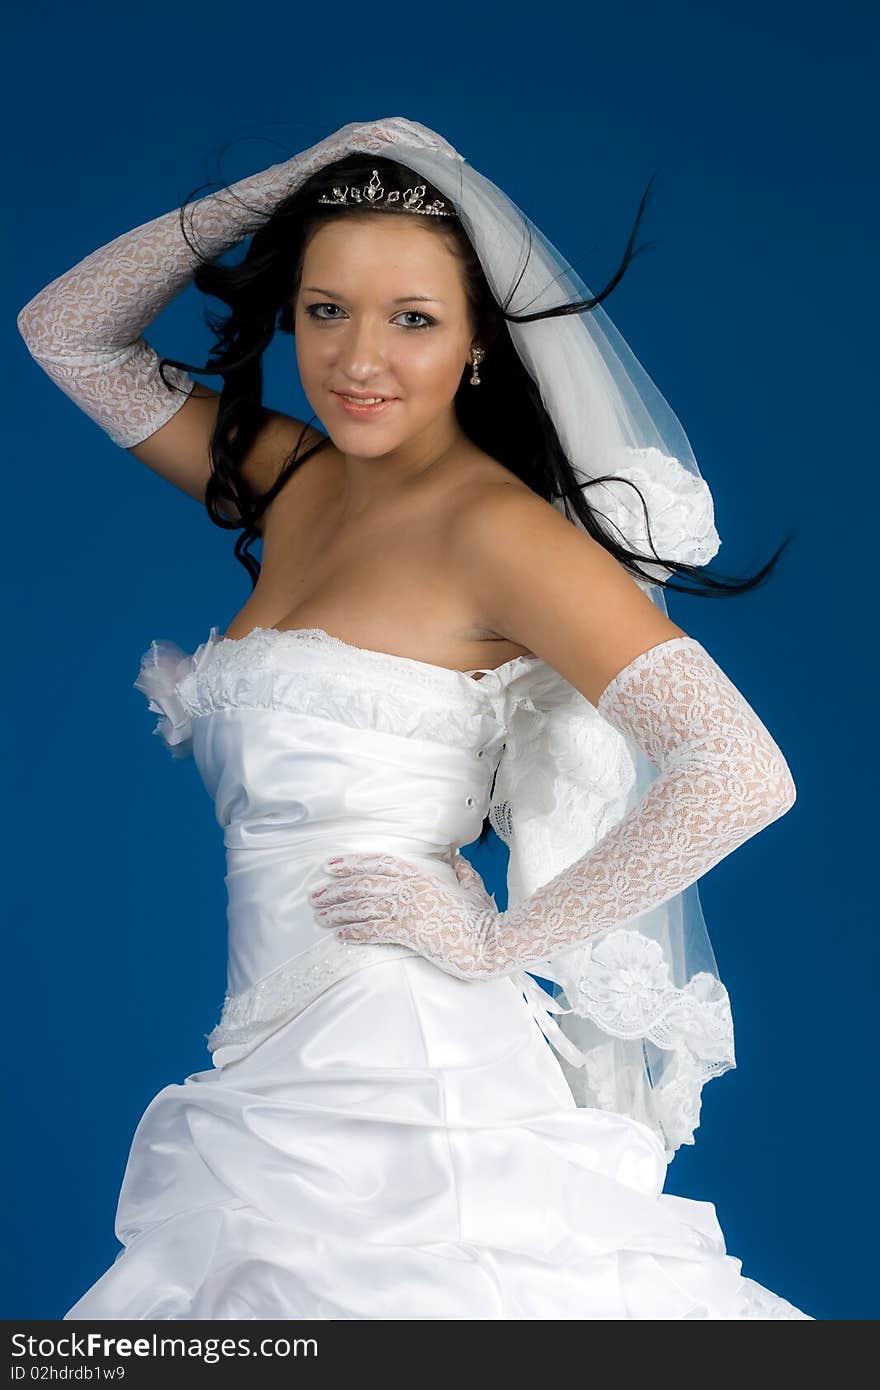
x: 505, y: 418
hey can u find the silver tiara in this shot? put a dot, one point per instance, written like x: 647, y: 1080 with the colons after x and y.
x: 373, y: 193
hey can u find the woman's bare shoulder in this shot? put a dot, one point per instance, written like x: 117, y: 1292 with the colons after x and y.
x: 478, y: 475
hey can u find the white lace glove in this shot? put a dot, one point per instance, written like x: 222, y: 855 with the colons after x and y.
x: 84, y: 328
x: 724, y: 779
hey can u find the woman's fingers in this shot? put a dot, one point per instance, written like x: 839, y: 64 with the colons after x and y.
x: 351, y: 912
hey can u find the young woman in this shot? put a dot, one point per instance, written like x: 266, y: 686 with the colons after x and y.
x: 385, y: 1132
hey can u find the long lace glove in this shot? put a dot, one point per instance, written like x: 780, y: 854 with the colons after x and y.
x: 723, y: 779
x: 84, y: 329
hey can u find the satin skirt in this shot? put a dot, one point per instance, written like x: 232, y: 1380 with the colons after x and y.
x: 407, y: 1147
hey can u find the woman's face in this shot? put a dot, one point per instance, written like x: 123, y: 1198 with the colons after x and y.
x: 382, y: 311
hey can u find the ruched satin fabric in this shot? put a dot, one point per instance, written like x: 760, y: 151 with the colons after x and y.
x: 407, y: 797
x: 404, y: 1145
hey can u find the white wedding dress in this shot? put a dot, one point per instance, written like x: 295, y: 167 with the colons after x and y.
x: 377, y: 1139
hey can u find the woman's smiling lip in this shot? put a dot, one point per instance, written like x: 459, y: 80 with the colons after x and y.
x: 365, y: 395
x: 362, y: 410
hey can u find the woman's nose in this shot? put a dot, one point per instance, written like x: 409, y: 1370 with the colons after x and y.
x: 361, y: 351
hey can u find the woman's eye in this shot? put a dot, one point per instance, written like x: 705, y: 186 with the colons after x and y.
x: 414, y: 313
x: 312, y: 311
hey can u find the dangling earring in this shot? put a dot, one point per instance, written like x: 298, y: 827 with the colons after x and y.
x: 479, y: 354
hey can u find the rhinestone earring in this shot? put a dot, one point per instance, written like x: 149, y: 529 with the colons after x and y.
x: 479, y: 354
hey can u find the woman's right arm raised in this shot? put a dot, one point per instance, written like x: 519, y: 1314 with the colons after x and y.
x: 85, y: 329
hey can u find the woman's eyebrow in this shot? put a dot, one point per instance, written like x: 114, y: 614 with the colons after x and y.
x: 402, y: 299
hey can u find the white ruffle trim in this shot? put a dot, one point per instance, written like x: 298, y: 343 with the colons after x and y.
x: 297, y: 671
x: 163, y: 666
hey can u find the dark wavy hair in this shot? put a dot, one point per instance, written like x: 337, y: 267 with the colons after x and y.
x: 505, y: 418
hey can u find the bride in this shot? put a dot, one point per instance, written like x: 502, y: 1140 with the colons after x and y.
x: 458, y: 620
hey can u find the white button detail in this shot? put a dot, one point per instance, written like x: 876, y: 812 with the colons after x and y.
x: 470, y: 801
x: 481, y: 752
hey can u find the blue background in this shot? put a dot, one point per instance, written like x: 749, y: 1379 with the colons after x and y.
x: 755, y: 315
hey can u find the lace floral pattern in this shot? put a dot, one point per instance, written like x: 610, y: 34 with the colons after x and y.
x: 680, y: 506
x: 84, y: 328
x: 625, y: 987
x: 620, y: 989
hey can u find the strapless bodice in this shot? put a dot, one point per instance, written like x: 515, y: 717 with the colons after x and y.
x: 309, y: 747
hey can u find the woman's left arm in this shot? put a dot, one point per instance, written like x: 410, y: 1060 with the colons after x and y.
x: 723, y: 780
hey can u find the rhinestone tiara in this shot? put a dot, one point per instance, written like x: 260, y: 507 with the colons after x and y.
x: 373, y: 194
